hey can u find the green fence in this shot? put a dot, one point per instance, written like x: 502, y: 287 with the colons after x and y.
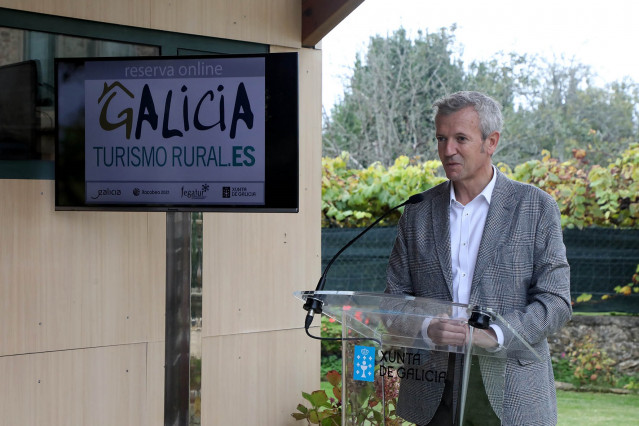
x: 599, y: 258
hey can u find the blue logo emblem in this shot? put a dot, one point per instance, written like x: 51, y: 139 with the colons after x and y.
x: 364, y: 363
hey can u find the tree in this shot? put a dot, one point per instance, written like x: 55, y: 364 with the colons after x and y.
x: 549, y: 106
x: 560, y: 110
x: 387, y: 107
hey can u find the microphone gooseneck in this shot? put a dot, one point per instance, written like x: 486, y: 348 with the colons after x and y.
x: 314, y: 304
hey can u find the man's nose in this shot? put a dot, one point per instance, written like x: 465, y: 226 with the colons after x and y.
x: 450, y: 147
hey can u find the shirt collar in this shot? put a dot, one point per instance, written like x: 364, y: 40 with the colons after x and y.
x: 487, y: 192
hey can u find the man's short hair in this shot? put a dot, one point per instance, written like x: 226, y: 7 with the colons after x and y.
x: 488, y: 109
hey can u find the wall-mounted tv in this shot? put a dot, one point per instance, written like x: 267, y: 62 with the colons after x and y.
x: 209, y: 133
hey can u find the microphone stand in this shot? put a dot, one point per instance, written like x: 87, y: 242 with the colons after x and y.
x: 314, y: 304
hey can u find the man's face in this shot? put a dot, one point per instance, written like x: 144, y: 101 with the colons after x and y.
x: 464, y: 155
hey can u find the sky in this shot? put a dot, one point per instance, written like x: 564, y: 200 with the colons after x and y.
x: 601, y: 34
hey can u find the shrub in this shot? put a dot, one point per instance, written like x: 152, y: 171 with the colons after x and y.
x: 587, y: 195
x: 331, y: 328
x: 591, y: 364
x: 323, y: 410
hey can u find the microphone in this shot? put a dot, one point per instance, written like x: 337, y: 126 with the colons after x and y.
x: 314, y: 304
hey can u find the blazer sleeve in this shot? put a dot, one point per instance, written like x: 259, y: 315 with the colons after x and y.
x: 548, y: 305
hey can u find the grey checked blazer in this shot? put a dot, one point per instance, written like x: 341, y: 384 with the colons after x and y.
x: 521, y: 272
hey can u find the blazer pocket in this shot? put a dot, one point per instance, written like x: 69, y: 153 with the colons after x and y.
x: 524, y: 362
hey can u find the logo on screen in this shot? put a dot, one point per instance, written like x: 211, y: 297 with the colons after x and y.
x: 145, y: 105
x: 226, y: 192
x: 195, y: 194
x: 107, y: 192
x: 364, y: 363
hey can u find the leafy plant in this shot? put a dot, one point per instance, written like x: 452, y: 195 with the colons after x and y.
x: 587, y: 195
x: 630, y: 382
x: 563, y: 369
x: 355, y: 197
x: 591, y: 364
x: 330, y: 363
x: 366, y: 406
x: 631, y: 287
x: 332, y: 329
x: 587, y: 365
x: 323, y: 411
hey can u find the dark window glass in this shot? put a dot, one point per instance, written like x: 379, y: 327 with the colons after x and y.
x: 27, y: 104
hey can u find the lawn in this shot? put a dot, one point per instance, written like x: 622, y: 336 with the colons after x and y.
x: 597, y: 409
x: 587, y: 408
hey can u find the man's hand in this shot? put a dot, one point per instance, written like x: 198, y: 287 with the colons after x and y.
x: 447, y: 331
x: 455, y: 332
x: 486, y: 339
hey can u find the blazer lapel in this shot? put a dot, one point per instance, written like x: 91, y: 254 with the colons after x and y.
x: 441, y: 230
x: 500, y: 214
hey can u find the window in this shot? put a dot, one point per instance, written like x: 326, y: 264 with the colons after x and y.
x: 28, y: 44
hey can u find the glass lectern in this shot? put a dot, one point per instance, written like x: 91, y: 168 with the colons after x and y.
x: 393, y: 375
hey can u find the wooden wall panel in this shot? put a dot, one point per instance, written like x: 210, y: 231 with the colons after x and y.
x: 123, y: 12
x: 71, y: 280
x: 264, y: 21
x: 253, y: 262
x: 154, y: 413
x: 100, y: 386
x: 263, y: 374
x: 77, y: 279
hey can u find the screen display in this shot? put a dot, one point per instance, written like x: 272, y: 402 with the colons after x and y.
x: 210, y: 133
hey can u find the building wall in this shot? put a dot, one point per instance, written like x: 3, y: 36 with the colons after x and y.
x: 274, y: 22
x: 82, y: 294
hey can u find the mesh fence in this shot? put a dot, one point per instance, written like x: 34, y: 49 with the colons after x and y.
x: 600, y: 259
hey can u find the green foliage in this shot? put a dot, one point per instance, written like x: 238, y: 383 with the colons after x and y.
x: 584, y: 297
x: 367, y: 406
x: 332, y: 329
x: 631, y: 287
x: 591, y: 364
x: 323, y: 411
x: 386, y: 110
x: 331, y: 363
x: 587, y: 366
x: 563, y: 369
x: 630, y: 382
x: 562, y: 110
x: 355, y: 197
x: 587, y: 195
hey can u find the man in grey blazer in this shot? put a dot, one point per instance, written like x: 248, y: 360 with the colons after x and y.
x: 483, y: 239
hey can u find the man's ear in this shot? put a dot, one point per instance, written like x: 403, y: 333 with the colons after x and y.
x: 491, y: 143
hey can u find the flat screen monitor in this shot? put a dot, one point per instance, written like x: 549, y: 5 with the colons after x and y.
x: 209, y: 133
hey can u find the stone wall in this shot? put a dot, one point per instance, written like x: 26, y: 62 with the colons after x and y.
x: 617, y: 336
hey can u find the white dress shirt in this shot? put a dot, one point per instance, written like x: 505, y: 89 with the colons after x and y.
x: 466, y: 229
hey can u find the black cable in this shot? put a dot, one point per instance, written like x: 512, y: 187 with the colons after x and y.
x: 307, y: 324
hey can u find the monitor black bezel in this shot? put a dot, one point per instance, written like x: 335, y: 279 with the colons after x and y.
x: 282, y: 144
